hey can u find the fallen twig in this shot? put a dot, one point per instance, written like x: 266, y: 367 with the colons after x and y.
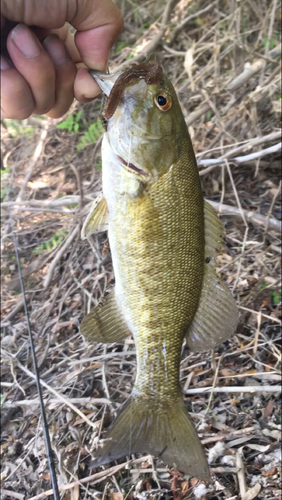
x: 31, y: 402
x: 33, y: 161
x: 241, y: 474
x: 249, y: 388
x: 272, y: 318
x: 261, y: 220
x: 65, y: 200
x: 57, y: 394
x: 190, y: 18
x: 238, y: 159
x: 153, y: 44
x: 95, y: 478
x: 18, y: 307
x: 58, y: 255
x: 245, y: 145
x: 253, y: 69
x: 12, y: 494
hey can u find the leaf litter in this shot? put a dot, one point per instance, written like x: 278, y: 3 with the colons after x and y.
x: 232, y: 392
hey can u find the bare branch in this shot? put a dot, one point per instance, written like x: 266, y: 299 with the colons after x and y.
x: 250, y: 388
x: 261, y: 220
x: 238, y: 159
x: 253, y: 69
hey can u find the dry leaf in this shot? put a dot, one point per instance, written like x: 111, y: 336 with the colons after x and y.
x: 252, y: 492
x: 115, y: 496
x: 184, y: 487
x: 269, y: 472
x: 268, y: 409
x: 194, y: 481
x: 259, y: 447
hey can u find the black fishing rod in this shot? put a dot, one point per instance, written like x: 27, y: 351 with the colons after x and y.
x: 49, y: 449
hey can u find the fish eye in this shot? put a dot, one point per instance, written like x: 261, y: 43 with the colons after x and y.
x: 163, y: 101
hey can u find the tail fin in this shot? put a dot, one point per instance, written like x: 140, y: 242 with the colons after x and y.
x: 162, y: 429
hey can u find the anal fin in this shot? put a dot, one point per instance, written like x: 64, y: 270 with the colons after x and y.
x: 97, y: 219
x: 105, y: 323
x: 216, y: 317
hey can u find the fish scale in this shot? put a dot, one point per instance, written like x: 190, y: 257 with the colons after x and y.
x: 157, y: 288
x: 163, y: 239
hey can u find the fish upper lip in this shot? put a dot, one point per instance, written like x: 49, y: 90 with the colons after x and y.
x: 130, y: 166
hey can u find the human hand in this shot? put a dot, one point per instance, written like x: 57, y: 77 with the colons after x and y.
x: 43, y: 67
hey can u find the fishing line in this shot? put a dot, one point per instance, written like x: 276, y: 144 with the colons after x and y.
x: 49, y: 449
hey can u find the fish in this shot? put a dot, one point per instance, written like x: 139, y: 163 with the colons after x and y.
x: 164, y: 239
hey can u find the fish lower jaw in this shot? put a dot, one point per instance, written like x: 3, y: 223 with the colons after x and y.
x: 132, y: 168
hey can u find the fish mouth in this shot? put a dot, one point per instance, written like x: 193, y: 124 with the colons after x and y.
x: 130, y: 167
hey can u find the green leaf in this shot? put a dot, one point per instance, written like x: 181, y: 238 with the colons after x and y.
x: 62, y: 125
x: 78, y: 116
x: 276, y: 297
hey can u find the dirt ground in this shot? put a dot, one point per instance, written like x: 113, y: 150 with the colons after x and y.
x: 224, y: 59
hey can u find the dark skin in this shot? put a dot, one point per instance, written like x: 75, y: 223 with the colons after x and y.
x: 43, y: 67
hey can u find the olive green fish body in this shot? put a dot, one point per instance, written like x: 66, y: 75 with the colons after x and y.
x: 157, y: 242
x: 163, y: 240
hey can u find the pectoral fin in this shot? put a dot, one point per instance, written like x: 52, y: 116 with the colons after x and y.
x: 216, y: 317
x: 97, y: 219
x: 105, y: 323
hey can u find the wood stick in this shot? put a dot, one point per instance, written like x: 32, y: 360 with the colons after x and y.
x: 31, y: 402
x: 56, y: 393
x: 12, y: 494
x: 238, y: 159
x: 261, y: 220
x: 253, y: 69
x: 95, y: 478
x: 58, y: 255
x: 33, y: 161
x: 235, y: 389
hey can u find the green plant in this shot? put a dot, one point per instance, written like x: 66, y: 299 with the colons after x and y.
x: 99, y: 164
x: 51, y: 244
x: 272, y: 42
x: 120, y: 45
x: 276, y: 297
x: 91, y: 135
x: 18, y: 128
x: 71, y: 124
x: 209, y: 115
x: 4, y: 173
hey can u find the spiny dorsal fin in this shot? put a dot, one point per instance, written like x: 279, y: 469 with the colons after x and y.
x: 97, y: 219
x: 105, y: 323
x: 216, y: 317
x: 214, y: 232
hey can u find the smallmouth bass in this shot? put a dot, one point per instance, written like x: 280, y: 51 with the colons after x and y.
x: 163, y: 239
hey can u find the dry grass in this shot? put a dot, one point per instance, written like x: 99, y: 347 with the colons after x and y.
x: 48, y: 185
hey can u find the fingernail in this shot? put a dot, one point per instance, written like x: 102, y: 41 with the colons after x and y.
x: 55, y: 49
x: 5, y: 63
x: 26, y: 41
